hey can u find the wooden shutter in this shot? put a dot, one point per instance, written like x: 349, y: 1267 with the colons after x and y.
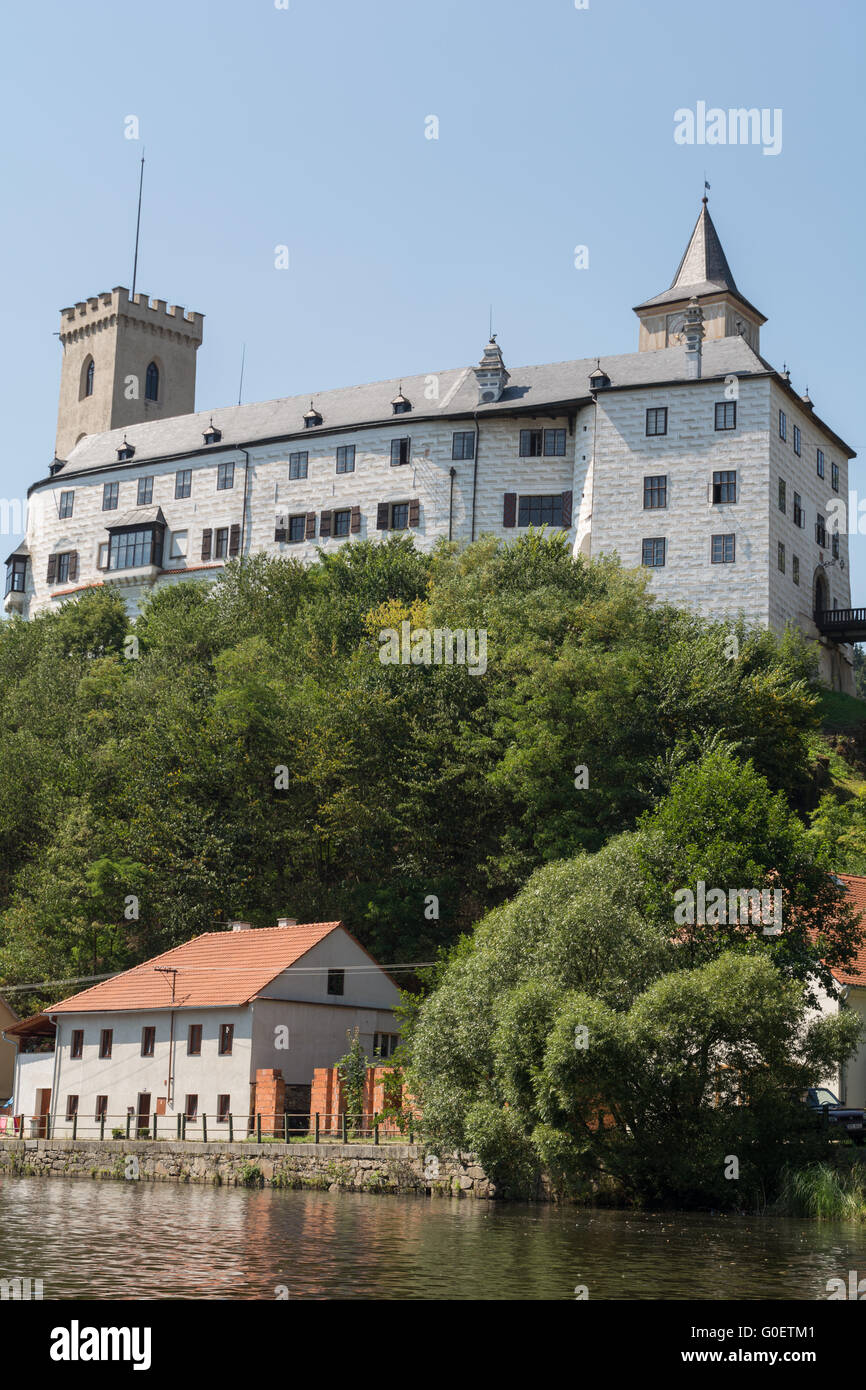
x: 356, y: 520
x: 567, y: 499
x: 310, y: 533
x: 325, y: 524
x: 73, y: 564
x: 509, y: 509
x: 382, y: 516
x: 234, y: 539
x: 414, y: 511
x: 206, y: 540
x: 52, y: 568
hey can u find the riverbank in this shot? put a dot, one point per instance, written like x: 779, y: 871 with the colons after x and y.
x: 395, y: 1168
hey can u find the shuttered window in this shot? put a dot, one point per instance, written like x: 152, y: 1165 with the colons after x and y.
x: 234, y: 540
x: 206, y: 543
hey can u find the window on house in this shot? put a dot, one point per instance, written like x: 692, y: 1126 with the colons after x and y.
x: 227, y: 1033
x: 385, y: 1044
x: 67, y: 500
x: 834, y: 544
x: 221, y: 543
x: 191, y: 1107
x: 653, y: 552
x: 225, y: 476
x: 16, y: 574
x: 723, y: 550
x: 400, y: 451
x: 106, y: 1037
x: 820, y: 531
x: 224, y: 1109
x: 126, y: 451
x: 725, y: 485
x: 346, y: 458
x: 726, y: 415
x: 834, y: 476
x: 298, y: 464
x: 655, y: 492
x: 76, y: 1048
x: 799, y: 515
x: 780, y: 557
x: 463, y: 444
x: 101, y: 1107
x: 135, y: 546
x: 102, y: 555
x: 212, y: 435
x: 297, y: 528
x: 398, y: 519
x: 88, y: 378
x: 540, y: 510
x: 657, y: 420
x: 795, y: 568
x: 783, y: 502
x: 183, y: 482
x: 148, y: 1039
x: 343, y: 522
x: 336, y: 981
x: 63, y: 567
x: 145, y: 492
x: 71, y: 1107
x: 193, y: 1040
x: 531, y: 443
x: 179, y: 544
x: 783, y: 425
x: 110, y: 496
x: 819, y: 462
x: 151, y: 382
x: 554, y: 443
x: 797, y: 440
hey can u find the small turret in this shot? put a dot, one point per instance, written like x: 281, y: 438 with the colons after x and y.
x: 490, y: 374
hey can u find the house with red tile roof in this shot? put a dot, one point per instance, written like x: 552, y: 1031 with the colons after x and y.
x: 850, y: 1083
x: 222, y: 1025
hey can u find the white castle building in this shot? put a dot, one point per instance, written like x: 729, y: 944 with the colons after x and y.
x: 693, y: 457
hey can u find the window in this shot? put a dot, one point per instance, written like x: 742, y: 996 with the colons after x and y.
x: 76, y: 1048
x: 723, y: 550
x: 400, y: 451
x: 834, y: 544
x: 297, y: 528
x: 145, y: 492
x: 16, y: 574
x: 653, y: 552
x: 148, y: 1039
x: 346, y: 458
x: 336, y: 981
x: 105, y: 1041
x: 726, y: 415
x: 126, y: 451
x: 62, y: 574
x: 183, y: 482
x: 88, y: 378
x: 820, y: 531
x: 101, y: 1107
x: 110, y: 496
x: 655, y: 492
x: 151, y: 382
x: 540, y: 510
x: 780, y: 558
x: 799, y: 516
x: 401, y: 406
x: 797, y: 440
x: 71, y: 1107
x: 399, y: 517
x: 225, y: 476
x: 657, y: 420
x: 783, y: 425
x: 193, y: 1040
x: 385, y: 1044
x: 212, y: 435
x: 795, y: 568
x: 725, y: 485
x: 298, y: 464
x: 67, y: 500
x: 819, y: 462
x: 783, y: 503
x: 227, y: 1033
x: 554, y: 443
x: 531, y: 443
x: 135, y: 546
x: 834, y: 476
x: 179, y: 544
x: 463, y: 444
x: 102, y: 556
x: 191, y: 1107
x: 224, y: 1109
x: 343, y: 522
x: 221, y: 543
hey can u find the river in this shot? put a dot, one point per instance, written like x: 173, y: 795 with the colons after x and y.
x: 119, y: 1241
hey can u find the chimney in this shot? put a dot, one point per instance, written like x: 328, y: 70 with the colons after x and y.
x: 287, y: 921
x: 693, y: 332
x: 241, y: 926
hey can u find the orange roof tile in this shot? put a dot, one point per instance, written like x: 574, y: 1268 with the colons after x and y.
x: 855, y: 973
x: 219, y: 968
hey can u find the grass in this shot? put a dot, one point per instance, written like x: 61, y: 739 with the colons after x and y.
x: 824, y: 1192
x: 839, y: 711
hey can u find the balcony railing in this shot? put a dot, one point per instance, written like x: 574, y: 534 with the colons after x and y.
x: 843, y: 624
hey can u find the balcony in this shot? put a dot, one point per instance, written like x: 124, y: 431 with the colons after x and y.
x: 842, y: 624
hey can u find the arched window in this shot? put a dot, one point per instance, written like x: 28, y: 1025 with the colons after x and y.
x: 151, y: 383
x: 88, y: 379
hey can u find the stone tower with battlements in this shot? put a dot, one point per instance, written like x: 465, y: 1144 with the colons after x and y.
x: 125, y: 360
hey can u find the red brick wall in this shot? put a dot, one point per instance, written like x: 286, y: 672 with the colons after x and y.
x: 328, y: 1100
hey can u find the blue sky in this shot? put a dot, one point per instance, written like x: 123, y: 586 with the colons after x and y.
x: 305, y: 127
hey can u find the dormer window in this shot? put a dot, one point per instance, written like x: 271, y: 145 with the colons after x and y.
x: 312, y: 418
x: 400, y: 405
x: 212, y: 435
x: 598, y: 380
x: 126, y: 451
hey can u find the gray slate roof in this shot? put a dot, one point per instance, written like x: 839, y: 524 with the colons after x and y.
x: 703, y: 269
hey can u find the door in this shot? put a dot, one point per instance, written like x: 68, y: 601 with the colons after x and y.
x: 160, y: 1105
x: 143, y: 1112
x: 43, y: 1106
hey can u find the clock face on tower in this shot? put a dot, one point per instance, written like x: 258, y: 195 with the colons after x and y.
x: 675, y: 324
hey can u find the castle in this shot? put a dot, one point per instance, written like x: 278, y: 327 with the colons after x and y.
x: 693, y: 457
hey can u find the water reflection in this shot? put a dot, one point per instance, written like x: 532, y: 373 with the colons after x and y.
x: 112, y: 1240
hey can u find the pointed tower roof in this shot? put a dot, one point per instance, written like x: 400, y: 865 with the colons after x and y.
x: 703, y: 270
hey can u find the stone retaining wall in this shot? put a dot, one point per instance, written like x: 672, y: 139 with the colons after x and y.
x: 404, y: 1168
